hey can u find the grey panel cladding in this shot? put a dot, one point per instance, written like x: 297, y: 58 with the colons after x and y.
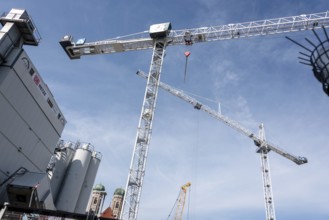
x: 19, y: 144
x: 30, y: 120
x: 39, y: 91
x: 27, y: 110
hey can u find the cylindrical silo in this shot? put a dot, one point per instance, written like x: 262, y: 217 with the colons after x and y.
x: 88, y: 183
x: 63, y: 158
x: 74, y: 178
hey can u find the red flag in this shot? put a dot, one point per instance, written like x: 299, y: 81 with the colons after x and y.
x: 187, y: 53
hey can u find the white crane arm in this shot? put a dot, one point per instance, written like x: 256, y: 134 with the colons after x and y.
x: 142, y: 40
x: 254, y: 28
x: 198, y: 105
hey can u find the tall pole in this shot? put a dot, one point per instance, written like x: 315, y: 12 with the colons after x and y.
x: 267, y: 183
x: 144, y: 130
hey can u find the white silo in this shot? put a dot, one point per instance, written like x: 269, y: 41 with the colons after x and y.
x: 74, y: 178
x: 57, y: 170
x: 88, y: 183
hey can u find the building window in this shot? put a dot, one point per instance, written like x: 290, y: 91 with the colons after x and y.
x: 31, y: 71
x: 50, y: 103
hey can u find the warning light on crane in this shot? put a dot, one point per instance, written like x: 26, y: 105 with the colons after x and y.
x: 318, y: 58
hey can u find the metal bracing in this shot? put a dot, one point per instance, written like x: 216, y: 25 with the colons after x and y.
x: 254, y: 28
x: 263, y: 146
x: 267, y: 183
x: 142, y: 41
x: 233, y: 124
x: 138, y: 161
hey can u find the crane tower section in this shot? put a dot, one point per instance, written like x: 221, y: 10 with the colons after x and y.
x: 267, y: 183
x: 144, y: 130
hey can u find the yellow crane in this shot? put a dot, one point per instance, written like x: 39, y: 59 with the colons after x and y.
x: 180, y: 202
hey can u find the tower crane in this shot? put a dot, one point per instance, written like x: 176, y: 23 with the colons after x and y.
x: 180, y: 202
x: 158, y: 38
x: 263, y: 146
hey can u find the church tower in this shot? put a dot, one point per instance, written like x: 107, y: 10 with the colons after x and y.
x: 97, y: 199
x: 117, y: 201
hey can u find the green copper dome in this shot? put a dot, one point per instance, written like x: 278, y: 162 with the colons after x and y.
x: 99, y: 187
x: 119, y: 192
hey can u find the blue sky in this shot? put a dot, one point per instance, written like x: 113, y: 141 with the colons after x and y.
x: 255, y: 80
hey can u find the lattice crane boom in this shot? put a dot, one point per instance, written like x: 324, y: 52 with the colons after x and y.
x: 160, y: 36
x: 259, y: 142
x: 140, y: 41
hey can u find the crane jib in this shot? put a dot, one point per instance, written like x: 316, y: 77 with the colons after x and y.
x: 199, y: 106
x: 142, y: 41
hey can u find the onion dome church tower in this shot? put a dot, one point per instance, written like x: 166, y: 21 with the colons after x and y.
x: 97, y: 199
x: 117, y: 201
x: 114, y: 210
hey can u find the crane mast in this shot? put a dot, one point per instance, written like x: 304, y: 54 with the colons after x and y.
x: 260, y: 141
x: 138, y: 161
x: 267, y: 183
x: 161, y: 36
